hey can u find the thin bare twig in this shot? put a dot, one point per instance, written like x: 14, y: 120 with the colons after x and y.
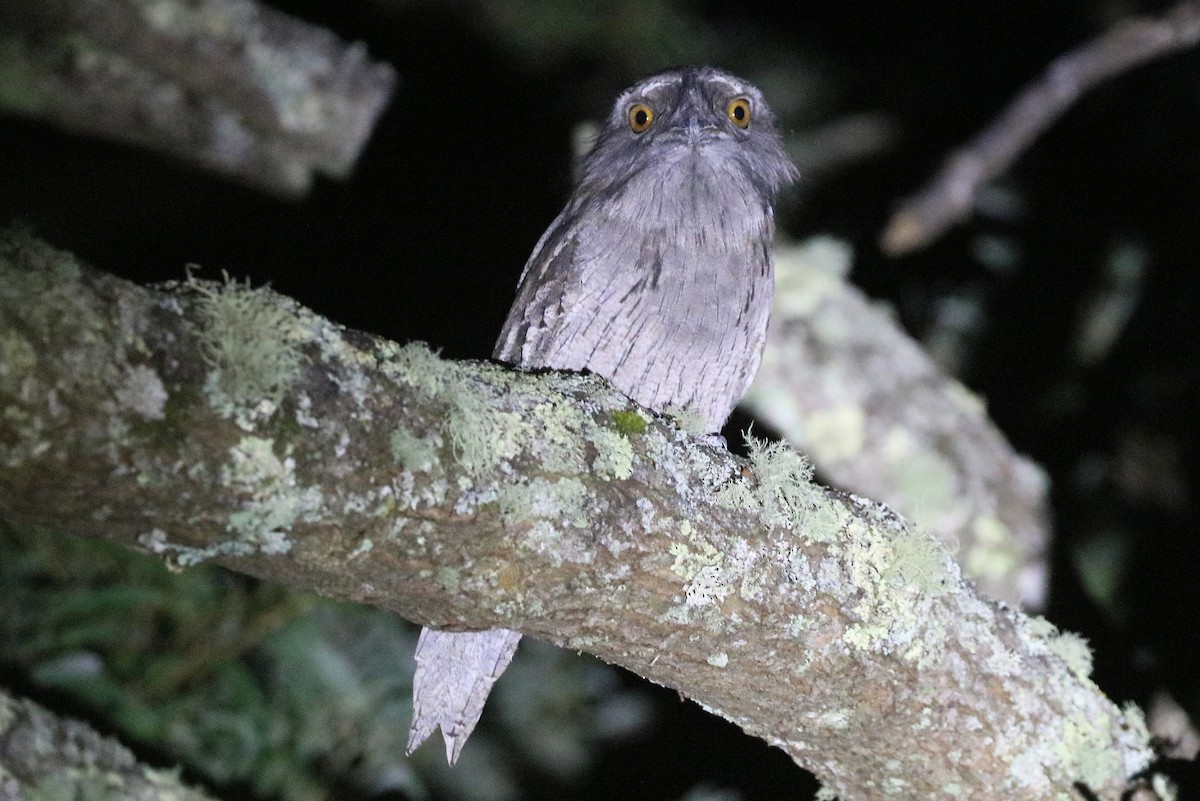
x: 948, y: 199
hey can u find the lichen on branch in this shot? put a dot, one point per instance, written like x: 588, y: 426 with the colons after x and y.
x: 471, y: 495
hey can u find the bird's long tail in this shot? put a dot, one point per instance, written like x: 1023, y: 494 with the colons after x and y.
x: 455, y: 673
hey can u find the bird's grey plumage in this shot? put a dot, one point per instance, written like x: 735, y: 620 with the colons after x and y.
x: 455, y: 673
x: 658, y: 276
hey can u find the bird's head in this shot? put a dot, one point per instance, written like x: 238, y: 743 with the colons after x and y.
x: 697, y: 118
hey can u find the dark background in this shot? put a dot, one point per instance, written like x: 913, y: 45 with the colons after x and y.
x: 473, y: 159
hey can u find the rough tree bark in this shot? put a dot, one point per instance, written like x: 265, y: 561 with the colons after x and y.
x: 214, y: 422
x: 45, y: 756
x: 842, y: 381
x: 230, y: 85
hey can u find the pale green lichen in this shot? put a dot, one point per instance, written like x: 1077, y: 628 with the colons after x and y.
x: 784, y: 478
x: 614, y: 454
x: 275, y: 501
x: 412, y: 453
x: 544, y: 537
x: 248, y: 338
x: 1073, y: 650
x: 562, y: 500
x: 418, y: 366
x: 546, y: 509
x: 1036, y: 627
x: 448, y: 579
x: 738, y: 494
x: 900, y: 572
x: 1091, y: 742
x: 582, y: 642
x: 1083, y: 749
x: 176, y: 556
x: 782, y: 492
x: 917, y: 560
x: 687, y: 420
x: 1132, y: 739
x: 560, y: 449
x: 565, y: 429
x: 701, y: 566
x: 798, y: 625
x: 481, y: 437
x: 835, y: 718
x: 44, y: 303
x: 756, y: 583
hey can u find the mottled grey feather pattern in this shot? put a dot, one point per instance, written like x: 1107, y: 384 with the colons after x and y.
x: 455, y: 673
x: 658, y: 273
x: 658, y: 276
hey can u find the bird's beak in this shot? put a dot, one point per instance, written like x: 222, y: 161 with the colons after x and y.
x: 694, y: 132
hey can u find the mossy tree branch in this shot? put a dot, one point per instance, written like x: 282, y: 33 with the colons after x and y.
x: 841, y: 380
x: 233, y: 86
x: 45, y: 756
x: 203, y: 421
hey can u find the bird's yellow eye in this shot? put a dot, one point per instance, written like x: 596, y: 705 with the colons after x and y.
x: 739, y: 112
x: 640, y: 117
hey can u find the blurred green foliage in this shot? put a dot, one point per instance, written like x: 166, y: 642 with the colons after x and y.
x: 243, y: 681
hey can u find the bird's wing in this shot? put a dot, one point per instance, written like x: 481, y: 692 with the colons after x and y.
x: 668, y: 326
x: 551, y: 272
